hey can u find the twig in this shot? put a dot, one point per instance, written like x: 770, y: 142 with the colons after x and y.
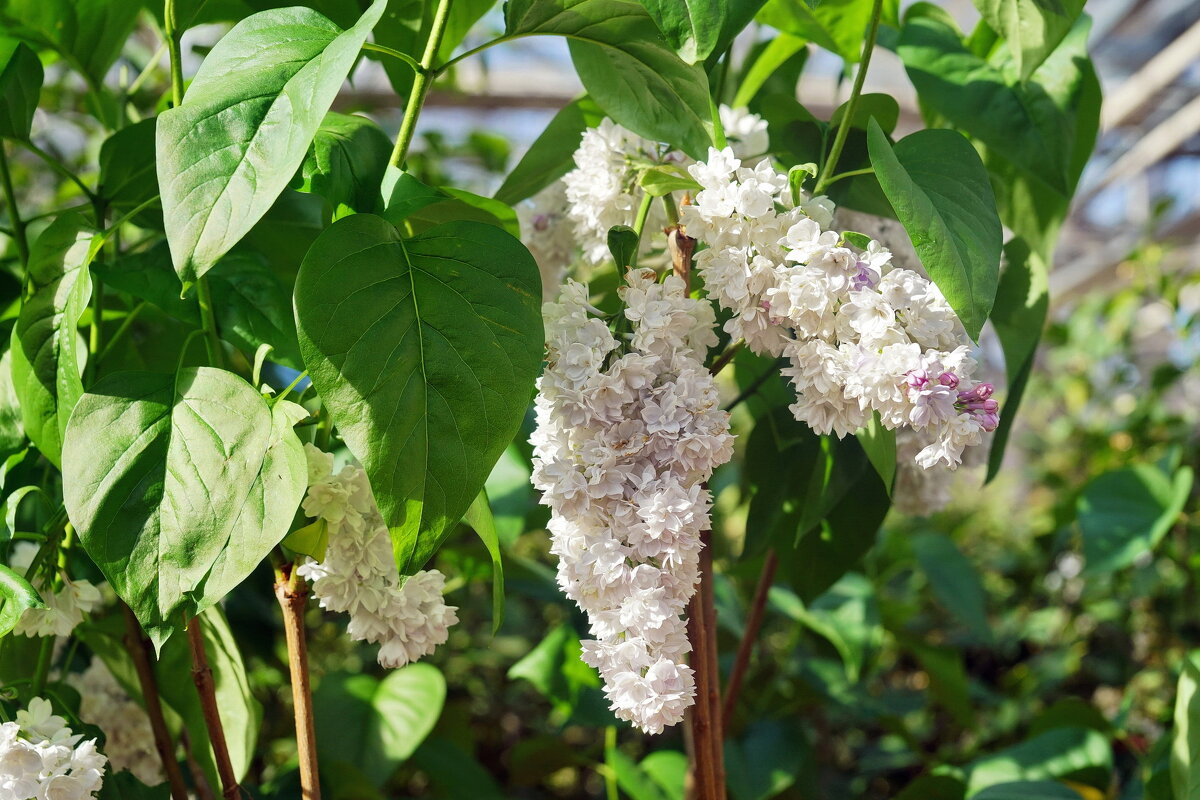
x: 702, y: 770
x: 754, y: 620
x: 139, y: 650
x: 292, y: 596
x: 716, y: 738
x: 204, y: 791
x: 202, y: 676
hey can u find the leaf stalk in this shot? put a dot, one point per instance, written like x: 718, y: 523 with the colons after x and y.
x: 839, y: 141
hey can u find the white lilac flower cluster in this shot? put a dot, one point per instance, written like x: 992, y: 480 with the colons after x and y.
x: 65, y: 606
x: 40, y: 759
x: 860, y: 336
x: 128, y: 737
x: 406, y: 616
x: 602, y: 190
x: 627, y: 433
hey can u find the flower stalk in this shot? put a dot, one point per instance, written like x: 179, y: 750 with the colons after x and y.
x: 292, y: 595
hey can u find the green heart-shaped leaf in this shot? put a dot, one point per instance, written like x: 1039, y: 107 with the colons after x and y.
x: 179, y: 485
x: 425, y: 351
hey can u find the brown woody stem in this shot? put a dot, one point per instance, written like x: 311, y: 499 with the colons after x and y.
x: 754, y: 618
x: 292, y: 596
x: 202, y: 676
x: 139, y: 650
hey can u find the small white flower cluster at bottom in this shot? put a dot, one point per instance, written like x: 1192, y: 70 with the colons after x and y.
x: 40, y: 759
x: 407, y: 616
x: 626, y: 437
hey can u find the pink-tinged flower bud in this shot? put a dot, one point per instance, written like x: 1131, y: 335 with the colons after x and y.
x: 917, y: 379
x: 991, y: 406
x: 948, y: 379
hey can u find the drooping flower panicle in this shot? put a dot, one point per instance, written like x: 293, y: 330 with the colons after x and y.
x: 406, y: 616
x: 627, y: 433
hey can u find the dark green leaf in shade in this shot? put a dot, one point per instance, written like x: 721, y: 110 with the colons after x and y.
x: 479, y: 517
x: 623, y: 244
x: 1028, y: 790
x: 1076, y: 754
x: 376, y: 725
x: 245, y: 125
x: 345, y: 164
x: 20, y: 88
x: 88, y: 34
x: 127, y: 174
x: 954, y: 580
x: 767, y: 758
x: 941, y: 194
x: 179, y: 485
x: 425, y: 351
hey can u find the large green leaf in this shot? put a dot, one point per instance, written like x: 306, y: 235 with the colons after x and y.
x: 768, y: 62
x: 425, y: 351
x: 127, y: 175
x: 837, y: 25
x: 46, y: 357
x: 1031, y: 28
x: 551, y: 154
x: 16, y: 596
x: 954, y: 581
x: 245, y: 125
x: 1185, y: 739
x: 89, y: 34
x: 1125, y: 513
x: 179, y: 485
x: 767, y: 758
x: 346, y: 162
x: 1029, y: 790
x: 1027, y: 122
x: 20, y: 88
x: 1078, y: 754
x: 555, y: 669
x: 941, y: 194
x: 376, y: 725
x: 626, y: 67
x: 254, y: 307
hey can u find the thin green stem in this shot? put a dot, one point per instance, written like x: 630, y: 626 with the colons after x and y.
x: 121, y: 330
x: 639, y: 224
x: 848, y: 174
x: 479, y: 49
x: 148, y: 70
x: 671, y: 209
x: 42, y: 670
x: 421, y: 84
x: 289, y: 388
x: 10, y: 196
x: 843, y: 131
x: 173, y: 36
x: 208, y: 321
x: 388, y: 51
x: 57, y: 165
